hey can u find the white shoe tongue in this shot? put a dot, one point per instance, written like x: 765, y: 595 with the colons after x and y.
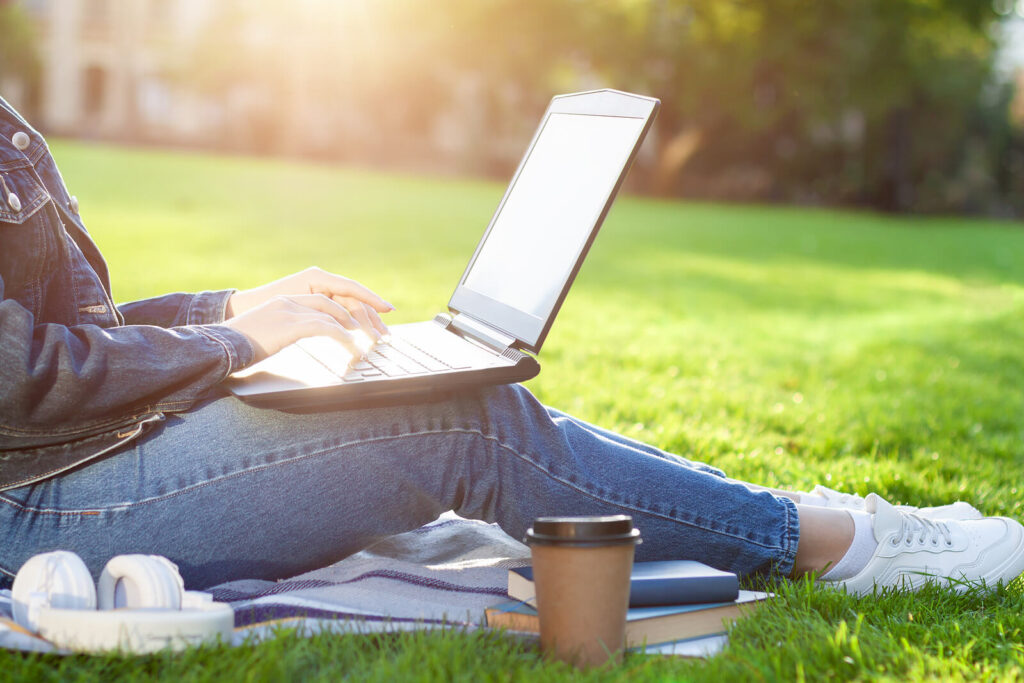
x: 823, y: 492
x: 887, y: 518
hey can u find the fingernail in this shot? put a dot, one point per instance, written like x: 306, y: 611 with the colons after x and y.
x: 391, y: 306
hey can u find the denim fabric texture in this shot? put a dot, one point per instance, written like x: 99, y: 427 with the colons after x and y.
x: 114, y: 439
x: 78, y: 375
x: 228, y: 491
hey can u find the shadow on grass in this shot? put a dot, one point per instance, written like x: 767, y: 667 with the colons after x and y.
x: 955, y: 247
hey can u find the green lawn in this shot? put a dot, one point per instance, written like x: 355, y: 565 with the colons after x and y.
x: 788, y: 346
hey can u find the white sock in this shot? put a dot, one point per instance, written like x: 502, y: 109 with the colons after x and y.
x: 811, y: 499
x: 860, y: 551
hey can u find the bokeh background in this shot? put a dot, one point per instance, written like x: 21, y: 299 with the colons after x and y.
x: 789, y: 345
x: 901, y: 105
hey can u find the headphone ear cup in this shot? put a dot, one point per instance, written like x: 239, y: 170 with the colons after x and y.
x: 140, y: 581
x: 56, y: 579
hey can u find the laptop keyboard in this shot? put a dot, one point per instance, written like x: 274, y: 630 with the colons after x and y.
x: 429, y: 352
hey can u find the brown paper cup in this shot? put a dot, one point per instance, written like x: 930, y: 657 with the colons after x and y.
x: 582, y: 596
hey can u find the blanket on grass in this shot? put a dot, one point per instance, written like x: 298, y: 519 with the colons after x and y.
x: 442, y: 575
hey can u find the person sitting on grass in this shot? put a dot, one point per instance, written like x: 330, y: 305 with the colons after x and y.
x: 114, y: 438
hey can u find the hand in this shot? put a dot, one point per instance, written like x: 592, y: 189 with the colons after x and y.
x: 310, y: 303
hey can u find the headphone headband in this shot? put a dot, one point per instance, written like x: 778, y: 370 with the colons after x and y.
x: 136, y: 630
x: 144, y: 606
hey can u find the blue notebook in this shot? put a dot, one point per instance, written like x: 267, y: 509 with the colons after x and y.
x: 672, y: 582
x: 646, y: 625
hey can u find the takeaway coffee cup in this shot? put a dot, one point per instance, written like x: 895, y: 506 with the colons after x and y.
x: 581, y: 570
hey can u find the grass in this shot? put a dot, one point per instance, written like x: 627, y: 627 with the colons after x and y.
x: 787, y: 346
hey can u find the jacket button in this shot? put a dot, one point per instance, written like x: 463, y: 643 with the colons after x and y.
x: 14, y: 202
x: 21, y: 140
x: 73, y: 204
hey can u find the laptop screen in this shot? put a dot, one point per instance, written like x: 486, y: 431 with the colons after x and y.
x: 548, y: 215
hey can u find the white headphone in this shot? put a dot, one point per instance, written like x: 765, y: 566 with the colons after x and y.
x: 143, y: 605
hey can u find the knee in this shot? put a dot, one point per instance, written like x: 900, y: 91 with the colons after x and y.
x: 510, y: 399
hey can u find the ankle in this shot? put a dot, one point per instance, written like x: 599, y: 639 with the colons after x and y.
x: 861, y: 550
x: 826, y: 535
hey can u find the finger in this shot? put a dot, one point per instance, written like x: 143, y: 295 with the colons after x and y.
x: 323, y: 304
x: 365, y: 314
x: 332, y: 285
x: 359, y: 312
x: 378, y: 324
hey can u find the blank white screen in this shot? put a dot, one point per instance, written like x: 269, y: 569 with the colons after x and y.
x: 548, y: 215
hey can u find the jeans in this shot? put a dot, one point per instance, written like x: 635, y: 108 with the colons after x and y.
x: 228, y: 491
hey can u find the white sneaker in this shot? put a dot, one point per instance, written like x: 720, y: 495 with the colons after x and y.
x: 851, y: 501
x: 913, y: 551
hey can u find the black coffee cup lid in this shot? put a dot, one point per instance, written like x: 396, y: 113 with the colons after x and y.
x: 583, y: 531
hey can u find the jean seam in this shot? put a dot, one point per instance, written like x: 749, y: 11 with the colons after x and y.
x: 232, y: 359
x: 208, y: 482
x: 194, y: 487
x: 188, y: 311
x: 632, y: 507
x: 791, y: 534
x: 223, y: 311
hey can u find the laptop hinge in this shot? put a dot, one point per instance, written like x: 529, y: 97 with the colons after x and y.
x: 497, y: 341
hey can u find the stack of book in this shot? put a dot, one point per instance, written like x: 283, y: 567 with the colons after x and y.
x: 676, y: 607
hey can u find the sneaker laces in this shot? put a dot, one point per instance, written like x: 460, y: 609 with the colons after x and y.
x: 925, y: 530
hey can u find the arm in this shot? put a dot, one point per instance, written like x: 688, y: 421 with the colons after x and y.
x: 360, y: 304
x: 173, y: 310
x: 58, y: 383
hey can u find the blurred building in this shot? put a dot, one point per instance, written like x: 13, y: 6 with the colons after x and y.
x: 107, y: 67
x: 298, y: 77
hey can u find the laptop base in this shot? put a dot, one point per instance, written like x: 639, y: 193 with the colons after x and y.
x: 314, y: 389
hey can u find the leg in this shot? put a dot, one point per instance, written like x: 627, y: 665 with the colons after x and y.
x: 228, y: 491
x: 792, y: 495
x: 558, y: 416
x: 825, y: 536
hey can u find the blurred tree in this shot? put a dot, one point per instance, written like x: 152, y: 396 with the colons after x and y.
x: 826, y: 99
x: 813, y: 100
x: 881, y: 102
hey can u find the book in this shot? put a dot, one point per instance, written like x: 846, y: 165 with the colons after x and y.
x: 645, y: 625
x: 674, y: 582
x: 702, y: 646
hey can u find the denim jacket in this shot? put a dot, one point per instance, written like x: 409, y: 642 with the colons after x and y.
x: 79, y: 376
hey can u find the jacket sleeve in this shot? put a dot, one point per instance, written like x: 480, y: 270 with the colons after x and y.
x: 59, y: 382
x: 173, y: 310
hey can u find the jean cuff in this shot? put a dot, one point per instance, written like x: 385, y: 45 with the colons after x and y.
x: 238, y: 347
x: 208, y: 308
x: 790, y: 537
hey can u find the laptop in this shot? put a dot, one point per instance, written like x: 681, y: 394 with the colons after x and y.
x: 508, y: 296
